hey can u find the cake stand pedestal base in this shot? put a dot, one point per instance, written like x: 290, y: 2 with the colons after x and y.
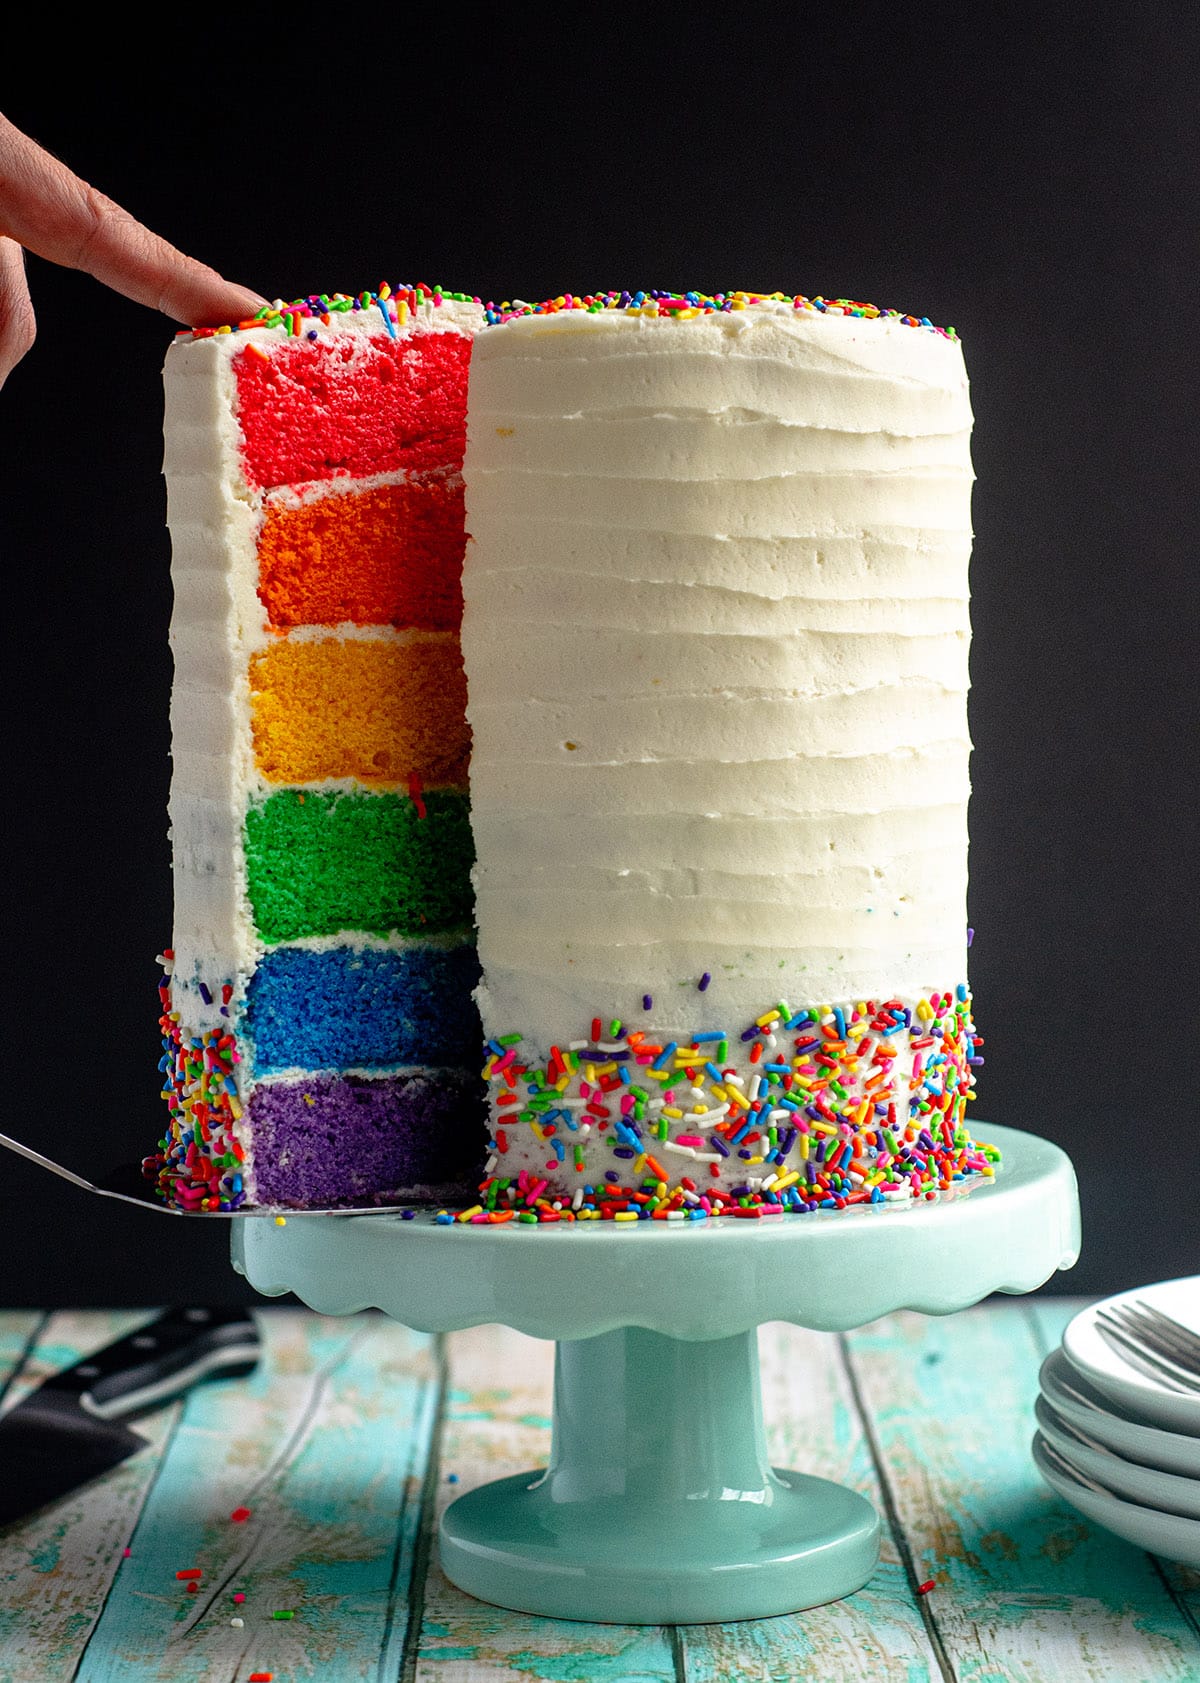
x: 659, y: 1505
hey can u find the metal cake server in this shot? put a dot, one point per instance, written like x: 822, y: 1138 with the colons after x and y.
x: 129, y: 1184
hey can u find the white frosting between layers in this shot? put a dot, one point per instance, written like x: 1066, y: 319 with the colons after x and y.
x: 716, y: 645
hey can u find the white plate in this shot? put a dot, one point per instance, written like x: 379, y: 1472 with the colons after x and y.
x: 1145, y: 1485
x: 1080, y: 1404
x: 1162, y: 1534
x: 1091, y: 1353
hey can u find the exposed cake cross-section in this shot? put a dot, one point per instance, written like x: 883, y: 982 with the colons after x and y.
x: 321, y: 1043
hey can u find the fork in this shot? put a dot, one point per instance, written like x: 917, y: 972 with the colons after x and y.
x: 1151, y: 1357
x: 1167, y: 1337
x: 1187, y: 1341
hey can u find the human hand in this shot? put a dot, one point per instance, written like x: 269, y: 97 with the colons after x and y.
x: 47, y: 210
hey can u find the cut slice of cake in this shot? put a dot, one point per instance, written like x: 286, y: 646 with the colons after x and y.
x: 321, y: 1043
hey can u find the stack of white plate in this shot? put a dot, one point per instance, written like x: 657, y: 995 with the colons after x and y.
x: 1117, y: 1438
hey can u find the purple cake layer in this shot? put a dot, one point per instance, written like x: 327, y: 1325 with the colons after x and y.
x: 325, y: 1139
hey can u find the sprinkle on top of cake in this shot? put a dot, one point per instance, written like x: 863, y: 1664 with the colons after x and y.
x: 396, y: 304
x: 297, y: 319
x: 681, y: 306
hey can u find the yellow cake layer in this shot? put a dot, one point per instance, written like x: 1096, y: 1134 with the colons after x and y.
x: 381, y: 712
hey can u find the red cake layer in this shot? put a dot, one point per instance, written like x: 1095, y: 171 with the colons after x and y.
x: 352, y: 405
x: 391, y: 555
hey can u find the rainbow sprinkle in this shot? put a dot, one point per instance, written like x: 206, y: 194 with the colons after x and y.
x: 198, y: 1164
x: 683, y: 306
x: 825, y: 1108
x: 303, y: 317
x: 821, y: 1108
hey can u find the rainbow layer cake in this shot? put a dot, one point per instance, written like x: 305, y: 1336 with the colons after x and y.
x: 696, y: 945
x: 321, y: 1041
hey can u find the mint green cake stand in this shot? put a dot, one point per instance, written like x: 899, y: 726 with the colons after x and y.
x: 659, y: 1505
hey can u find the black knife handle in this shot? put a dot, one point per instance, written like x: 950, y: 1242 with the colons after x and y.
x: 159, y: 1361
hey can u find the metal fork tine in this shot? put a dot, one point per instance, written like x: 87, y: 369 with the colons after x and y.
x: 1187, y: 1338
x: 1163, y: 1339
x: 1160, y: 1369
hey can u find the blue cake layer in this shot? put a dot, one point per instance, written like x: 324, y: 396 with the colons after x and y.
x: 368, y: 1008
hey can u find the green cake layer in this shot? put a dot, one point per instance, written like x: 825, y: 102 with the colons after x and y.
x: 317, y: 864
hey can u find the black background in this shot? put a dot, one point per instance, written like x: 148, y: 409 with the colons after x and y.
x: 1033, y: 181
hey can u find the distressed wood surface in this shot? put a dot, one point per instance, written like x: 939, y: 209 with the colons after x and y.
x: 326, y: 1444
x: 498, y: 1422
x: 57, y: 1567
x: 353, y: 1434
x: 18, y: 1329
x: 814, y: 1426
x: 1027, y: 1589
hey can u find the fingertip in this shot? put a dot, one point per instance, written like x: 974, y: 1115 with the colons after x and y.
x: 231, y: 304
x: 199, y: 296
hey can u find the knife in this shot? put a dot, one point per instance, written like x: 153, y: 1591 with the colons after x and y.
x: 70, y: 1429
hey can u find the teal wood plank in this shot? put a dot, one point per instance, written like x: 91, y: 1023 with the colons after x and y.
x: 498, y: 1422
x: 56, y: 1566
x: 325, y: 1444
x: 61, y: 1337
x: 1048, y: 1319
x: 813, y: 1425
x: 1026, y: 1590
x: 18, y: 1330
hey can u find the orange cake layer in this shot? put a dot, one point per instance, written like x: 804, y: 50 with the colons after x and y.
x: 380, y: 712
x: 391, y: 555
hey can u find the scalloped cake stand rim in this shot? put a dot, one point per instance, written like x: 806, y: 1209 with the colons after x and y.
x: 829, y: 1271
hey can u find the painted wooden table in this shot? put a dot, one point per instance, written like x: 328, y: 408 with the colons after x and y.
x: 353, y: 1434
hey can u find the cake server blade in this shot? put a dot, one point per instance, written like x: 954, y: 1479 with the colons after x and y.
x: 72, y: 1427
x: 129, y: 1184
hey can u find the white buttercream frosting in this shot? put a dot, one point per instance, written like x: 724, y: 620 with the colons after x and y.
x: 716, y: 636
